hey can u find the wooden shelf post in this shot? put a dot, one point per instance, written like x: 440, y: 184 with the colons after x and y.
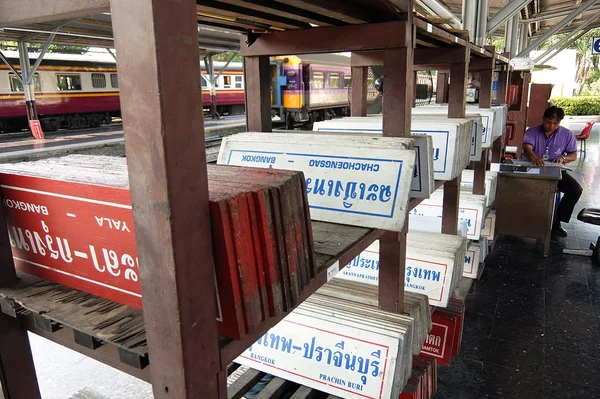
x: 164, y: 141
x: 358, y: 103
x: 257, y: 72
x: 18, y: 379
x: 397, y: 116
x: 441, y: 93
x: 457, y: 107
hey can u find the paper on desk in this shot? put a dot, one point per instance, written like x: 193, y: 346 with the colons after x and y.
x: 548, y: 164
x: 529, y: 172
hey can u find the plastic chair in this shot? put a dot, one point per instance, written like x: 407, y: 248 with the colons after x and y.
x: 584, y: 135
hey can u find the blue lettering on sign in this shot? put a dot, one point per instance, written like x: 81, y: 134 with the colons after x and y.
x: 417, y: 173
x: 468, y: 259
x: 421, y: 273
x: 486, y: 127
x: 349, y: 192
x: 345, y: 165
x: 473, y: 138
x: 313, y: 350
x: 364, y: 263
x: 596, y: 46
x: 437, y: 151
x: 258, y: 159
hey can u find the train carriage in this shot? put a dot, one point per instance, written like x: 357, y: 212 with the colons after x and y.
x: 75, y: 91
x: 308, y: 88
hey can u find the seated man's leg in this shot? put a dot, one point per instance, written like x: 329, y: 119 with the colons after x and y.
x: 572, y: 191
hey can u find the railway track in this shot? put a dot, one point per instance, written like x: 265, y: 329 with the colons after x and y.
x: 13, y: 136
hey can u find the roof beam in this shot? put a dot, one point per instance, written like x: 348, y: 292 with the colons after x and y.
x: 557, y: 27
x: 436, y: 7
x: 569, y: 37
x: 360, y: 37
x: 23, y: 12
x: 553, y: 14
x: 505, y: 13
x: 555, y: 51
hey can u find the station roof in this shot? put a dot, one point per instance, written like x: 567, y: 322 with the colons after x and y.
x: 221, y: 23
x: 540, y: 15
x: 96, y: 31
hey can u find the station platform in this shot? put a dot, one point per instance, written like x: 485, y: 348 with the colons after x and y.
x: 532, y: 326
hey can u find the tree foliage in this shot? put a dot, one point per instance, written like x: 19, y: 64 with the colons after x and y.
x: 227, y: 55
x: 587, y: 64
x: 53, y: 48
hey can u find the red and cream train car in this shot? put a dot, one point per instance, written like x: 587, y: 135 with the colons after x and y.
x: 75, y: 91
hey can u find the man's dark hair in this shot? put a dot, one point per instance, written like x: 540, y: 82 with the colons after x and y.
x: 554, y: 112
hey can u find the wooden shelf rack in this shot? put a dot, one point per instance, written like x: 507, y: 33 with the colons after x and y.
x: 159, y: 77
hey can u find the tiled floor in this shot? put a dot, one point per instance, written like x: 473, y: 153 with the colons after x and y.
x: 532, y: 327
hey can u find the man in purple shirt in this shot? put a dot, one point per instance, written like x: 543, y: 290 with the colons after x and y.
x: 550, y: 142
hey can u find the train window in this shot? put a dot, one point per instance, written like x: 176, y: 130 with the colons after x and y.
x: 16, y: 86
x: 239, y: 82
x: 334, y: 80
x: 226, y: 82
x: 204, y: 82
x: 347, y: 81
x: 68, y: 82
x: 114, y: 80
x: 98, y: 80
x: 318, y: 80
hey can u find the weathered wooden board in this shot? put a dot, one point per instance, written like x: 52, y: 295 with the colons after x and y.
x: 361, y: 182
x: 77, y: 229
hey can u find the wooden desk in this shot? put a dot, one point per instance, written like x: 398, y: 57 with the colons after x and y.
x: 525, y: 204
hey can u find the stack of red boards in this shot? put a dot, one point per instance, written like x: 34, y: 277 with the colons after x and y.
x: 423, y: 382
x: 70, y: 221
x: 445, y: 337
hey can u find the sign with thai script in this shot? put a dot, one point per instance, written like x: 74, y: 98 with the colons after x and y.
x: 424, y: 274
x: 367, y: 186
x: 428, y: 275
x: 79, y: 235
x: 365, y: 267
x: 443, y: 138
x: 337, y: 359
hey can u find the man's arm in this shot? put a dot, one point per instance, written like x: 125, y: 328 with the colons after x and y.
x: 570, y: 157
x: 528, y: 150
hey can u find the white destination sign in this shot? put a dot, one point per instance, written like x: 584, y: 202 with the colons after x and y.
x: 356, y: 186
x: 337, y: 359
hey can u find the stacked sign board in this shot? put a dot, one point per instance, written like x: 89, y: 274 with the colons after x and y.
x: 493, y: 119
x: 434, y: 265
x: 70, y: 221
x: 491, y: 183
x: 344, y: 347
x: 451, y: 139
x: 445, y: 337
x: 471, y: 209
x: 432, y: 224
x: 477, y: 135
x: 423, y: 382
x: 361, y: 181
